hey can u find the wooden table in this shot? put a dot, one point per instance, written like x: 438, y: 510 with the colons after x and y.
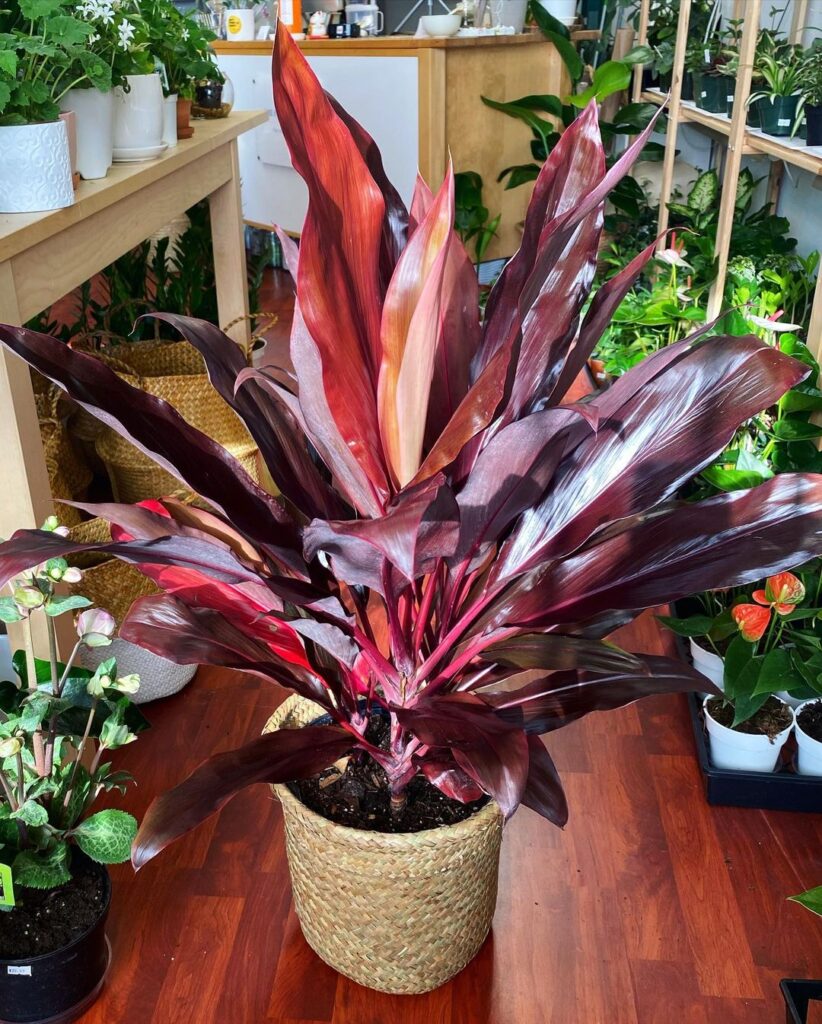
x: 43, y: 256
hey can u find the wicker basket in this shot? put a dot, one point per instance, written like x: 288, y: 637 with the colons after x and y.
x: 69, y: 473
x: 114, y: 585
x: 175, y: 372
x: 398, y: 913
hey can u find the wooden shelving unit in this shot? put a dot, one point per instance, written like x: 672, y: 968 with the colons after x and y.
x: 732, y: 131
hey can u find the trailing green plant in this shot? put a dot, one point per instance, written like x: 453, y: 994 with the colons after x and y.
x: 182, y: 44
x: 472, y: 221
x: 57, y: 723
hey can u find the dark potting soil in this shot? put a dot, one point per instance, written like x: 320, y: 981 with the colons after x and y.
x: 809, y: 720
x: 359, y: 795
x: 45, y: 920
x: 770, y: 720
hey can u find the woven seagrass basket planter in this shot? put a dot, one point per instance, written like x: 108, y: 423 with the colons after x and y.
x: 398, y: 913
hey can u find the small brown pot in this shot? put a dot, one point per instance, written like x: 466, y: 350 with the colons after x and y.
x: 400, y: 913
x: 184, y: 127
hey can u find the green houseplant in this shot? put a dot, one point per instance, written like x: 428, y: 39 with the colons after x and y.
x: 451, y: 542
x: 57, y: 722
x: 809, y: 80
x: 777, y: 97
x: 44, y: 54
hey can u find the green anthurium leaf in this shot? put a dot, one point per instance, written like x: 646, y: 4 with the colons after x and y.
x: 44, y: 869
x: 775, y: 673
x: 65, y: 603
x: 694, y: 625
x: 738, y: 657
x: 796, y: 430
x: 31, y: 813
x: 733, y: 479
x: 107, y: 836
x: 745, y: 707
x: 802, y: 401
x: 812, y: 900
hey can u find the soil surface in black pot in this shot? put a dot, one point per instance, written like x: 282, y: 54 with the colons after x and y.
x: 771, y: 719
x: 809, y: 720
x: 45, y: 920
x: 359, y: 796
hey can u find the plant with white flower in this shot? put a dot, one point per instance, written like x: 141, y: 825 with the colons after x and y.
x: 56, y: 723
x: 125, y: 33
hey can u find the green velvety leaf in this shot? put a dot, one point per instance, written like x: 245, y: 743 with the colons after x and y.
x: 68, y: 31
x: 8, y: 610
x: 812, y: 900
x: 775, y: 673
x: 31, y: 813
x: 66, y: 603
x: 694, y: 625
x: 107, y: 836
x: 8, y: 62
x: 45, y: 869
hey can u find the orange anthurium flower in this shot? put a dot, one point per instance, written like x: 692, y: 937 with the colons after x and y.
x: 784, y: 591
x: 752, y: 620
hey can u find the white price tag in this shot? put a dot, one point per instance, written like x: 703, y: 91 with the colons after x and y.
x: 19, y: 969
x: 784, y: 122
x: 703, y: 94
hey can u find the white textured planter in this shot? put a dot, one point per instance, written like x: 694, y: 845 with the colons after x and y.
x: 158, y: 676
x: 170, y: 120
x: 94, y: 115
x: 35, y: 168
x: 740, y: 751
x: 138, y: 118
x: 563, y: 10
x: 709, y: 664
x: 809, y: 757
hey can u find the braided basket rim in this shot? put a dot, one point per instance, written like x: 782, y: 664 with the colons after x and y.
x: 487, y: 817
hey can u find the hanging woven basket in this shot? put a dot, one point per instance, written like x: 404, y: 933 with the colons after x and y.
x: 400, y: 913
x: 114, y: 585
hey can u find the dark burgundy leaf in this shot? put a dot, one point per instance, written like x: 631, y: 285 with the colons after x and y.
x: 556, y: 651
x: 274, y: 757
x: 543, y: 791
x: 451, y: 780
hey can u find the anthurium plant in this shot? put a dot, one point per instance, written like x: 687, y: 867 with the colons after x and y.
x: 770, y: 638
x: 57, y: 723
x: 451, y: 540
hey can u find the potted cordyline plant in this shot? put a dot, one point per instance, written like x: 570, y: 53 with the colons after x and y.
x: 57, y: 722
x: 450, y: 543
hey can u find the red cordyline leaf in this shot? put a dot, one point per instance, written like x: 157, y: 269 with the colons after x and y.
x: 752, y: 620
x: 449, y: 543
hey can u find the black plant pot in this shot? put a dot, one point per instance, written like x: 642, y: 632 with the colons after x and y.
x: 797, y: 996
x: 777, y: 114
x: 711, y: 93
x: 58, y: 987
x: 687, y: 86
x: 813, y: 120
x: 752, y: 117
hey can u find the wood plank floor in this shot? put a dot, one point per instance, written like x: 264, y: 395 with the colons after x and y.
x: 650, y: 907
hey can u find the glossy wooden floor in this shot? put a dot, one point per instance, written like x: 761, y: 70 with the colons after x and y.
x: 650, y: 908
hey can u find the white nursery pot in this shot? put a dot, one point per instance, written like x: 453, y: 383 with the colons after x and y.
x: 94, y: 116
x: 792, y: 702
x: 740, y: 751
x: 239, y: 24
x: 170, y: 120
x: 138, y: 116
x: 709, y: 664
x: 35, y: 168
x: 563, y: 10
x: 809, y: 756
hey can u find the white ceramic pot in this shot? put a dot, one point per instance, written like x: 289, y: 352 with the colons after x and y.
x: 94, y: 115
x: 709, y: 664
x: 138, y: 118
x: 170, y: 120
x: 563, y: 10
x: 741, y: 751
x: 239, y: 24
x: 35, y: 168
x: 809, y: 757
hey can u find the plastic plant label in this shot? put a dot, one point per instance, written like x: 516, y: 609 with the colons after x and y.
x: 19, y: 969
x: 703, y: 94
x: 707, y: 56
x: 6, y: 886
x: 730, y: 99
x: 784, y: 122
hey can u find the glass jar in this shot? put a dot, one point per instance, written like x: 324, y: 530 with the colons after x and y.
x: 213, y: 98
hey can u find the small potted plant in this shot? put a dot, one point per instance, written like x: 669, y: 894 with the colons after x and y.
x: 777, y: 98
x: 450, y: 541
x: 57, y: 722
x: 710, y: 64
x: 108, y: 53
x: 41, y: 60
x: 809, y: 80
x: 809, y: 737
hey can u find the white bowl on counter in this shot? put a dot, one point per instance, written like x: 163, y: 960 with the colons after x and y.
x: 441, y: 26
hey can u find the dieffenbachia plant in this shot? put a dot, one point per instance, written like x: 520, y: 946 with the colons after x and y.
x: 450, y: 540
x: 57, y: 722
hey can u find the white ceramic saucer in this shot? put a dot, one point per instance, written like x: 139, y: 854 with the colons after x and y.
x: 133, y: 156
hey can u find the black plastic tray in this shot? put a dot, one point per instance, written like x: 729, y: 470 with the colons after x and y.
x: 780, y: 790
x: 797, y: 995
